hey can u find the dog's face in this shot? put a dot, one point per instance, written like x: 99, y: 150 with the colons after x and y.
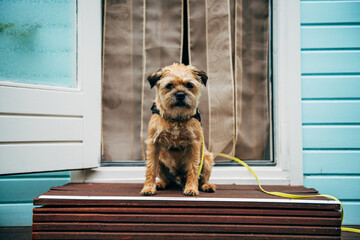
x: 178, y: 89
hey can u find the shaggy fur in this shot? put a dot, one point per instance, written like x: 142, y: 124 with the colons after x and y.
x: 175, y: 138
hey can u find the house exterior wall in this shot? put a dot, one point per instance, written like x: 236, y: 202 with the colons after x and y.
x: 330, y: 63
x: 18, y: 191
x: 330, y: 38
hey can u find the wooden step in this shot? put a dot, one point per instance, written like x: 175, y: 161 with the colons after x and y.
x: 117, y: 211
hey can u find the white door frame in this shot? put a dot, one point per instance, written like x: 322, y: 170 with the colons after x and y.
x: 287, y: 116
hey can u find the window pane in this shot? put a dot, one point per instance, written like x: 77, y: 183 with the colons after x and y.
x: 230, y: 42
x: 38, y: 42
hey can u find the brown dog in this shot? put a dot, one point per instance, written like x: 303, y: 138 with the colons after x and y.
x: 174, y: 144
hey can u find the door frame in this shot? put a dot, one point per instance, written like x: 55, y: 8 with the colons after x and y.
x: 287, y: 116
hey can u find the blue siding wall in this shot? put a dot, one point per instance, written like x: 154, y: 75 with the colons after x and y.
x: 18, y: 191
x: 330, y: 62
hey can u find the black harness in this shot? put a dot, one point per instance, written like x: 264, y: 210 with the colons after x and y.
x: 196, y: 115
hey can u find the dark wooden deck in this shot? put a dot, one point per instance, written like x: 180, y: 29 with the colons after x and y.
x: 117, y: 211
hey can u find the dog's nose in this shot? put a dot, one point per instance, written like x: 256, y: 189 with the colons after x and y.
x: 180, y: 96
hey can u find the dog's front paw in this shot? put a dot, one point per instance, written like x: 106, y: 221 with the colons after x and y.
x: 191, y: 192
x: 207, y: 187
x: 148, y: 191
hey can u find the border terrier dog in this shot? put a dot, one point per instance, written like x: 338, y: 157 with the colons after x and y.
x: 174, y: 144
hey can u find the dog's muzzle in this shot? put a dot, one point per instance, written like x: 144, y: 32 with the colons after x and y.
x: 180, y: 99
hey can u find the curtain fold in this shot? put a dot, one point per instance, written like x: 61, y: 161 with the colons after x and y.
x: 251, y: 77
x: 216, y: 53
x: 227, y: 39
x: 119, y: 84
x: 140, y: 37
x: 163, y: 46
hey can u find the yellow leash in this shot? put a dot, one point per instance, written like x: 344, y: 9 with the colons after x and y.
x: 278, y: 194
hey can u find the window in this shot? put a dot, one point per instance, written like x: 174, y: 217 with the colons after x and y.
x: 38, y: 47
x: 286, y: 60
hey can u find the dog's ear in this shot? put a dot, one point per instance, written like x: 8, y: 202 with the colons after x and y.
x: 154, y: 78
x: 202, y: 76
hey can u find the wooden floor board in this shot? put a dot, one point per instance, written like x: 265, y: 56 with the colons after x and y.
x: 24, y: 233
x: 198, y: 211
x: 173, y: 236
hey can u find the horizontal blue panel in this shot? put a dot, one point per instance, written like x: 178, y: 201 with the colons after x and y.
x: 319, y: 37
x: 25, y: 190
x: 351, y: 213
x: 59, y: 174
x: 330, y: 12
x: 331, y: 162
x: 330, y: 111
x: 333, y: 137
x: 330, y: 86
x: 341, y: 187
x: 330, y: 62
x: 16, y: 215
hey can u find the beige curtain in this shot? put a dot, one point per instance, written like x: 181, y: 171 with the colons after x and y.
x: 227, y: 39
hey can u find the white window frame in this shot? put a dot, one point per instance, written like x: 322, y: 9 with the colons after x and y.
x: 286, y: 112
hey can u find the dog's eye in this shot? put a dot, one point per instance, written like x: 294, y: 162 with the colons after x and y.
x: 169, y: 86
x: 189, y: 85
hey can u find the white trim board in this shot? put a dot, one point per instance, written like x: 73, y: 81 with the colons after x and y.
x: 187, y: 199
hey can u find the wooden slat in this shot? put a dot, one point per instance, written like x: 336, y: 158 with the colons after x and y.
x: 15, y: 214
x: 131, y: 188
x: 318, y: 87
x: 331, y: 162
x: 325, y: 37
x: 181, y: 218
x: 167, y: 236
x: 57, y: 174
x: 183, y: 210
x: 232, y: 191
x: 32, y: 101
x: 331, y: 137
x: 330, y: 62
x: 332, y: 111
x: 178, y: 193
x: 26, y: 154
x: 325, y: 12
x: 352, y: 210
x: 146, y: 203
x: 348, y: 187
x: 195, y: 228
x: 37, y: 128
x: 24, y: 190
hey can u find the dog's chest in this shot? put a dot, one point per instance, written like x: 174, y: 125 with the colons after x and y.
x: 175, y: 137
